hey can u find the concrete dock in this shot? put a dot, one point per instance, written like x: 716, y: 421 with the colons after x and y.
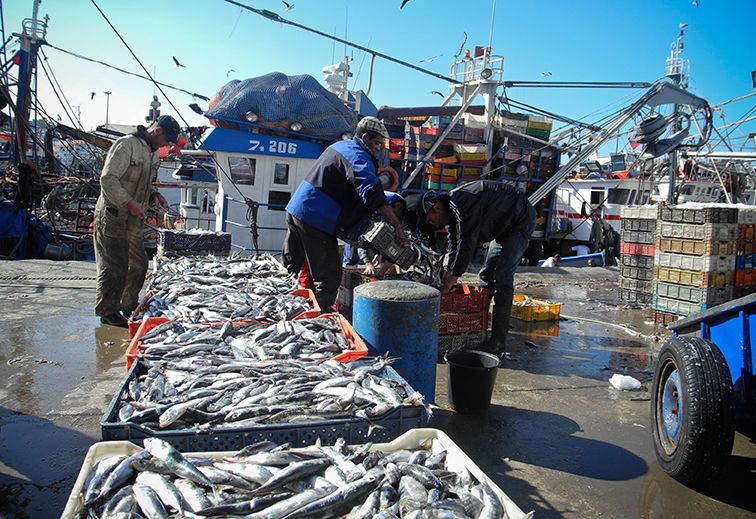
x: 558, y: 439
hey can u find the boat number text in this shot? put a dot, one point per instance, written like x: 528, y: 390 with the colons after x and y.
x: 286, y: 148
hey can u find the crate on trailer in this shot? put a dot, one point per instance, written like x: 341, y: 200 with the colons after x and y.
x: 744, y: 291
x: 644, y: 274
x: 705, y: 232
x: 705, y: 296
x: 634, y: 296
x: 234, y: 437
x: 637, y: 285
x: 637, y: 249
x: 642, y: 262
x: 637, y: 224
x: 695, y: 247
x: 640, y: 212
x: 639, y: 236
x: 694, y: 277
x: 699, y: 263
x: 182, y: 243
x: 701, y: 215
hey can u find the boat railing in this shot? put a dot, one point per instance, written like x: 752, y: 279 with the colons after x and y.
x: 248, y: 225
x: 34, y: 29
x: 472, y: 68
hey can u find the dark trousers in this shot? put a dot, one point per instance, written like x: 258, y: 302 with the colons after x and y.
x: 121, y: 262
x: 321, y: 251
x: 504, y: 255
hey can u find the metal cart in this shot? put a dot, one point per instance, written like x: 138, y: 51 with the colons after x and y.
x: 697, y: 383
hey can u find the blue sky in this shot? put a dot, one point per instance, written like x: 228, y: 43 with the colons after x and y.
x: 580, y: 40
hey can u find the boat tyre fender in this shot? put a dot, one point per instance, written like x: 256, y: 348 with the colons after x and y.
x: 389, y: 178
x: 692, y: 409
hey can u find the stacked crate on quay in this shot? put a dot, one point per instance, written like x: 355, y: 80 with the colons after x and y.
x: 695, y: 260
x: 637, y: 253
x: 745, y: 263
x: 463, y: 321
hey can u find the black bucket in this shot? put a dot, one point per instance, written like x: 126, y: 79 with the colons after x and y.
x: 471, y: 379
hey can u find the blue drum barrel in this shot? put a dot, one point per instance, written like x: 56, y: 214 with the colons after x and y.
x: 401, y: 318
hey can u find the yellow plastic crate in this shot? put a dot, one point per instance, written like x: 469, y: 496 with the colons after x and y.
x: 527, y: 309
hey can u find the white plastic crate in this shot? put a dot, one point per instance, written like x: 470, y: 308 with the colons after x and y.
x: 456, y: 459
x: 707, y: 231
x: 695, y: 263
x: 747, y: 216
x: 644, y: 212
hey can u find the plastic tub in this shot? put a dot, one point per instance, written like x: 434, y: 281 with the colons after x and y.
x: 471, y: 379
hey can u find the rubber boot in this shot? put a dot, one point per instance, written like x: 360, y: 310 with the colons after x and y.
x: 502, y: 309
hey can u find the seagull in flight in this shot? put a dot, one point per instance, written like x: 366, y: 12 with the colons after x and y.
x: 229, y: 71
x: 436, y: 92
x: 695, y: 3
x: 430, y: 60
x: 91, y: 96
x: 404, y: 2
x: 545, y: 74
x: 179, y: 65
x: 287, y: 5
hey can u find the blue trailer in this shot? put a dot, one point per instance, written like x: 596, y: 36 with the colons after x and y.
x: 698, y: 382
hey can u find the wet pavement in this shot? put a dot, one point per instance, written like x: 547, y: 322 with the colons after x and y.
x: 558, y: 439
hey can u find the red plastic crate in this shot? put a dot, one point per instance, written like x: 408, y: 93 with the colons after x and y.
x: 451, y: 323
x: 745, y: 277
x: 357, y: 347
x: 465, y: 299
x: 744, y: 291
x: 637, y: 249
x: 747, y: 231
x: 746, y: 246
x: 664, y: 318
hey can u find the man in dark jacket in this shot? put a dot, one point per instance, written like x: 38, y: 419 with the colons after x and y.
x: 479, y: 212
x: 335, y: 200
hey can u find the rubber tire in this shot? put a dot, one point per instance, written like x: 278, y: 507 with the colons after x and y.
x: 708, y: 417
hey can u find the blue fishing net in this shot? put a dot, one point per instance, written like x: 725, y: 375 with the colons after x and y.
x: 278, y: 98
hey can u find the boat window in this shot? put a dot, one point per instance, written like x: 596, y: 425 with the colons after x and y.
x: 644, y: 196
x: 281, y: 174
x: 687, y: 189
x: 597, y: 196
x: 278, y: 198
x: 242, y: 170
x: 618, y: 196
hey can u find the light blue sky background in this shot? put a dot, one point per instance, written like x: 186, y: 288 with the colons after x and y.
x: 578, y: 40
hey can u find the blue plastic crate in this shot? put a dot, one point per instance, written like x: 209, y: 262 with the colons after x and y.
x: 230, y: 437
x: 745, y: 261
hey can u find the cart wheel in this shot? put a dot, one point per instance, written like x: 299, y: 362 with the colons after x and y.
x: 692, y: 409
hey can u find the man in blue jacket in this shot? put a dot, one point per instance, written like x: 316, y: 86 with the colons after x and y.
x: 479, y: 212
x: 335, y: 200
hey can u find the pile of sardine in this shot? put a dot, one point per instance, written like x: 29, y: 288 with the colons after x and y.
x: 261, y: 273
x: 210, y: 304
x: 264, y: 481
x: 211, y: 392
x: 315, y: 338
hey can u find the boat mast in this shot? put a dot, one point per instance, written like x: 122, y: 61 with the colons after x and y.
x: 33, y: 35
x: 676, y: 66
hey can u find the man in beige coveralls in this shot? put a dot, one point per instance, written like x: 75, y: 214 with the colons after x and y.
x: 126, y: 188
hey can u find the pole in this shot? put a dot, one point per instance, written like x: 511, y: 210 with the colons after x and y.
x: 107, y: 106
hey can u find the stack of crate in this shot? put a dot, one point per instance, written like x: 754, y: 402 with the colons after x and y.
x: 745, y: 264
x: 695, y: 260
x: 637, y: 254
x: 463, y: 320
